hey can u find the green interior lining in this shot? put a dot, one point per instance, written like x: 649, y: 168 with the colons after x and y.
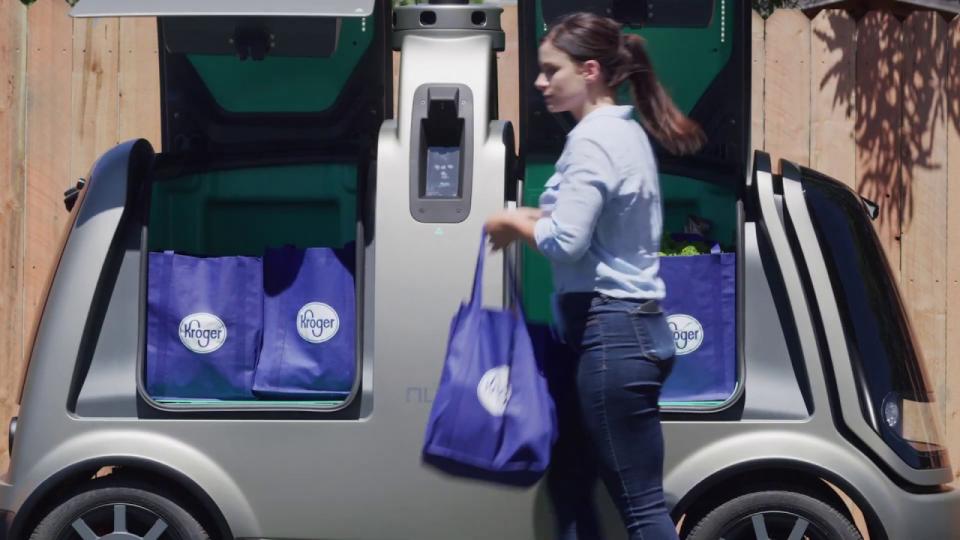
x: 686, y: 60
x: 286, y: 84
x: 244, y: 211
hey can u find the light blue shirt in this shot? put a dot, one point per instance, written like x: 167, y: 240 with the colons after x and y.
x: 603, y: 216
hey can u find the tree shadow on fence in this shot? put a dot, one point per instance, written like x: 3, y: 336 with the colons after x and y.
x: 898, y: 100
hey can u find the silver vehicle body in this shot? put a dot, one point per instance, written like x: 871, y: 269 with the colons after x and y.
x: 297, y: 473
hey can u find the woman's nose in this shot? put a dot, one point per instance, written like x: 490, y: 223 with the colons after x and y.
x: 541, y: 82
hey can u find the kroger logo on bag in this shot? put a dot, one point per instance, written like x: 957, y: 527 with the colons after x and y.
x: 687, y: 333
x: 317, y: 322
x: 494, y: 390
x: 202, y: 333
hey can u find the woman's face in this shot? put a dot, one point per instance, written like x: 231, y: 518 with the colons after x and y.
x: 562, y: 81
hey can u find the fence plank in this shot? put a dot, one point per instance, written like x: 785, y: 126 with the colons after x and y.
x: 508, y: 70
x: 49, y: 62
x: 833, y: 46
x: 923, y: 162
x: 786, y: 99
x: 878, y: 90
x: 95, y: 110
x: 953, y: 246
x: 139, y: 80
x: 757, y: 83
x: 13, y: 51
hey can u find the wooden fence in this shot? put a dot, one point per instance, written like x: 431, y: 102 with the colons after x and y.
x: 874, y: 102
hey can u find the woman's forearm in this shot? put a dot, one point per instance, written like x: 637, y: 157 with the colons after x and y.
x: 524, y: 224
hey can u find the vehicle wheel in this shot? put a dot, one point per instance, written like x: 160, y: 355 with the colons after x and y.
x: 111, y: 509
x: 777, y: 515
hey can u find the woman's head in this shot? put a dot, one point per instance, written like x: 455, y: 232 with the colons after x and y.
x: 585, y: 57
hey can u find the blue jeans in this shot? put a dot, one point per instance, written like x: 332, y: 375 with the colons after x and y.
x: 607, y: 391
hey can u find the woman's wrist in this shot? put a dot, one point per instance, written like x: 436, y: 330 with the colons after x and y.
x: 524, y: 223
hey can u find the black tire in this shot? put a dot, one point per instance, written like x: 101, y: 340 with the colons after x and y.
x: 148, y: 512
x: 779, y: 512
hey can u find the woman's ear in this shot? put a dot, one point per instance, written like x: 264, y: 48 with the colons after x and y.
x: 591, y: 71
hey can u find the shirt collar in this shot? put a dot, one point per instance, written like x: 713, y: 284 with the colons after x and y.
x: 617, y: 111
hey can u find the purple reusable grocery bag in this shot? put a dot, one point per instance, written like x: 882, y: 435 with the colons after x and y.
x: 701, y: 310
x: 492, y: 417
x: 309, y: 325
x: 203, y: 326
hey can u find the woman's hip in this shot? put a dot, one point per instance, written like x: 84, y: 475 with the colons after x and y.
x: 618, y: 329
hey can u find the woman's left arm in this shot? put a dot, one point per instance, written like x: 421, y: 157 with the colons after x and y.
x: 588, y: 176
x: 565, y: 234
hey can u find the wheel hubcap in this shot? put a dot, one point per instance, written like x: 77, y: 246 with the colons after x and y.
x: 119, y: 521
x: 773, y: 525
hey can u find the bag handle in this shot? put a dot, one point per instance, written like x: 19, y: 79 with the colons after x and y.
x: 477, y: 290
x: 477, y: 294
x: 476, y: 298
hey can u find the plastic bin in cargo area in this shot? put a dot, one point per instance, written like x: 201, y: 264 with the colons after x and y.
x: 244, y: 213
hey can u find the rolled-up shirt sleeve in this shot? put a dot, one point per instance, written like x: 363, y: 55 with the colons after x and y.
x: 565, y: 234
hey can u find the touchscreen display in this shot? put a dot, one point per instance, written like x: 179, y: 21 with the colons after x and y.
x: 443, y: 172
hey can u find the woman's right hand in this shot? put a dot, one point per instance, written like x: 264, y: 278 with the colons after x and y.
x: 505, y: 226
x: 500, y: 229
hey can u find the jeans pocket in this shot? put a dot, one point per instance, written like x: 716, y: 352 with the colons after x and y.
x: 654, y: 335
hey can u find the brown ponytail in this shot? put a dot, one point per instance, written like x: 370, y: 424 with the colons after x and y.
x: 658, y: 114
x: 585, y: 36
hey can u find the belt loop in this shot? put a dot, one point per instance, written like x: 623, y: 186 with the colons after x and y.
x: 650, y: 306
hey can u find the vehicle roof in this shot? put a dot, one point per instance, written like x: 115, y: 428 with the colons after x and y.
x: 173, y: 8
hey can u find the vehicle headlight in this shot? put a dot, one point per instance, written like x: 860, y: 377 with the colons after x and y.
x: 913, y: 421
x: 891, y: 412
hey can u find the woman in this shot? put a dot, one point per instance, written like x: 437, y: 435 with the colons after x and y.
x: 599, y: 224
